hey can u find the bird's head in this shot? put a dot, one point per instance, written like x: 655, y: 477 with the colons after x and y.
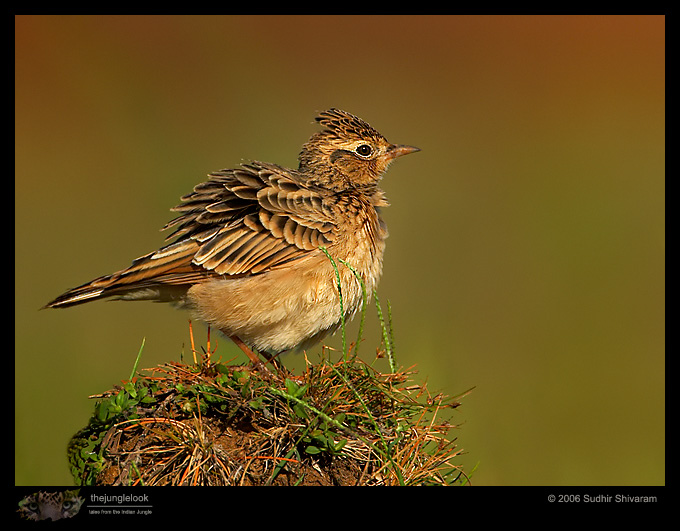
x: 348, y: 153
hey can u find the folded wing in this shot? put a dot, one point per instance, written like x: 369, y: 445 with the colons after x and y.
x: 241, y: 221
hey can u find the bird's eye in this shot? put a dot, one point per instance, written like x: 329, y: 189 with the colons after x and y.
x: 364, y: 150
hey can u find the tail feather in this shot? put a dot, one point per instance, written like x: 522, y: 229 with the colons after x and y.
x: 131, y: 284
x: 172, y: 290
x: 162, y: 276
x: 79, y: 295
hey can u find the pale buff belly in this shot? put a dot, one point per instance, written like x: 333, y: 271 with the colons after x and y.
x: 291, y: 307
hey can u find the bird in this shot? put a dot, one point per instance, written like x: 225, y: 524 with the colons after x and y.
x: 274, y: 258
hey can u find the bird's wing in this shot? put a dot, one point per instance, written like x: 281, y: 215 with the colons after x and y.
x: 248, y: 220
x: 239, y: 222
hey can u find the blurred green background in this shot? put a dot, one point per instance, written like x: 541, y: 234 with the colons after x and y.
x: 526, y: 256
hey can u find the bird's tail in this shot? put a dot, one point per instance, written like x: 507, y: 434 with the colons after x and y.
x: 99, y: 288
x: 151, y: 277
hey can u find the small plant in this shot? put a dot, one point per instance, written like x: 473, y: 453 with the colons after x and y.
x: 338, y: 423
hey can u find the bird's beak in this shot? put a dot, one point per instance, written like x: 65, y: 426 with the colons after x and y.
x: 398, y: 151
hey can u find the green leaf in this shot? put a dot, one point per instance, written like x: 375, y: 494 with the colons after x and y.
x: 300, y: 411
x: 312, y: 450
x: 130, y: 388
x: 294, y: 390
x: 256, y: 404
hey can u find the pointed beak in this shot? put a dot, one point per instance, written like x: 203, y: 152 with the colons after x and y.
x: 398, y: 151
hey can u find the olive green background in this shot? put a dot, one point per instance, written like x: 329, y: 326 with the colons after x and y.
x: 527, y: 238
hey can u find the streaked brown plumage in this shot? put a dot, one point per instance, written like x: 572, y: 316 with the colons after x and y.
x: 246, y: 254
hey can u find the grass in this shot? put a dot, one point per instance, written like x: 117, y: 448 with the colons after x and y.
x: 339, y: 423
x: 211, y: 423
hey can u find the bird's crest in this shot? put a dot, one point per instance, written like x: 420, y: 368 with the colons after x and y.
x: 340, y: 123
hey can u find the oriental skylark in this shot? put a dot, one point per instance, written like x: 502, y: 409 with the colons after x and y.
x: 247, y: 251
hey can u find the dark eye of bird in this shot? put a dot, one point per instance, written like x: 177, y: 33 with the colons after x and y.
x: 364, y: 150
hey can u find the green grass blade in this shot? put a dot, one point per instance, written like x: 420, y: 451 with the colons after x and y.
x: 364, y: 304
x: 139, y: 357
x: 342, y: 309
x: 386, y: 333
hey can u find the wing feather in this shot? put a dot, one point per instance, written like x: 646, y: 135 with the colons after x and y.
x: 253, y: 218
x: 241, y: 221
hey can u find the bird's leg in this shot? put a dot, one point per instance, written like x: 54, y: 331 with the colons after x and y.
x: 257, y: 362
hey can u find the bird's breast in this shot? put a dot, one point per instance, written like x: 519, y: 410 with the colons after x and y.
x: 359, y: 253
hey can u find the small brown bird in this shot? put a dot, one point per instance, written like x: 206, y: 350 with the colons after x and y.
x: 247, y: 253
